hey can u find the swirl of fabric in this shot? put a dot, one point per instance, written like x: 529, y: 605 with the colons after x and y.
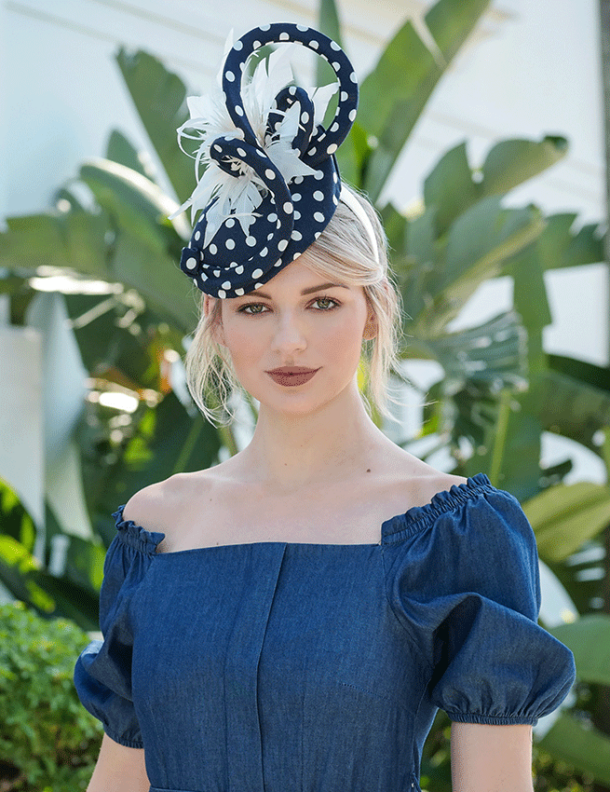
x: 271, y: 182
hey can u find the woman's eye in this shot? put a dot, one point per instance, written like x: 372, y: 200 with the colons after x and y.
x: 254, y: 306
x: 327, y: 303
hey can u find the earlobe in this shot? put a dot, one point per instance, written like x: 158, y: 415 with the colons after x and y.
x: 370, y: 328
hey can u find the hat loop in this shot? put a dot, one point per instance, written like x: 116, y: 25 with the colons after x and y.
x: 324, y: 142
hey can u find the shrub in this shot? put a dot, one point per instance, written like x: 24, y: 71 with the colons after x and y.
x: 48, y: 741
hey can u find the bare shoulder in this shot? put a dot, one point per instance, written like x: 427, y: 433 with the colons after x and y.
x: 159, y: 506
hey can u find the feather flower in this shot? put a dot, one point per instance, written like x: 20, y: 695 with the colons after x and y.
x: 224, y: 194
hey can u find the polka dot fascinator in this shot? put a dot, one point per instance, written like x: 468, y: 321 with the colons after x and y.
x: 271, y: 182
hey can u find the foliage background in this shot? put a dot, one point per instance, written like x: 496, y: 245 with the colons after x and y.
x: 497, y: 394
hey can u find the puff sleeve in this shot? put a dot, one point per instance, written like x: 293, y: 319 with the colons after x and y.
x: 102, y: 674
x: 467, y: 588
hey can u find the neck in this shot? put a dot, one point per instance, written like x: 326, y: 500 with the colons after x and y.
x: 288, y: 452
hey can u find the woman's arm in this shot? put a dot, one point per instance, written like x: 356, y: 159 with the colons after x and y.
x: 119, y: 769
x: 491, y: 758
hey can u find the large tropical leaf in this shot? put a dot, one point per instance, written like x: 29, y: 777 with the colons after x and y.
x: 589, y: 639
x: 579, y: 745
x: 565, y: 516
x: 159, y: 97
x: 396, y: 91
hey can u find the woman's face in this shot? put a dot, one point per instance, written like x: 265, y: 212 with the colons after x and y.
x: 296, y: 319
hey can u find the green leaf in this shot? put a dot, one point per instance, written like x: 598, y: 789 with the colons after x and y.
x: 329, y: 24
x: 394, y: 94
x: 579, y: 745
x: 589, y: 639
x: 135, y: 202
x: 565, y: 516
x: 450, y: 187
x: 512, y: 162
x: 571, y: 406
x: 121, y: 150
x: 159, y: 97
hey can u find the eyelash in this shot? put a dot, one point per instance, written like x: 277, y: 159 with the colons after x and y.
x: 335, y: 304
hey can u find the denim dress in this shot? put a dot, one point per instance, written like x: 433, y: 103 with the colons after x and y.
x: 293, y: 667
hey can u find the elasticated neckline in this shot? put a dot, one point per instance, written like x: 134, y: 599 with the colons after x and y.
x: 394, y: 529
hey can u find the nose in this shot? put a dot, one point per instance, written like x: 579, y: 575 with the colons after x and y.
x: 289, y: 334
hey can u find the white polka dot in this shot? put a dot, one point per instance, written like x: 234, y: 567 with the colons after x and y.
x: 257, y: 273
x: 217, y: 273
x: 230, y: 76
x: 226, y: 285
x: 284, y: 36
x: 282, y: 244
x: 217, y: 147
x: 230, y: 223
x: 241, y: 152
x: 321, y: 137
x: 335, y: 199
x: 239, y: 45
x: 318, y: 195
x: 318, y: 175
x: 304, y: 117
x: 288, y: 207
x: 239, y: 292
x: 269, y: 173
x: 233, y: 264
x: 302, y: 28
x: 203, y: 276
x: 197, y: 235
x: 263, y: 252
x: 213, y: 249
x: 353, y: 77
x: 344, y: 96
x: 260, y: 153
x: 317, y: 234
x: 277, y: 125
x: 312, y: 150
x: 335, y: 178
x: 296, y: 255
x: 296, y: 235
x: 332, y: 148
x: 230, y: 244
x: 239, y: 110
x: 239, y: 270
x: 257, y: 285
x: 298, y: 180
x: 336, y: 65
x: 269, y: 236
x: 222, y: 294
x: 256, y: 44
x: 335, y: 46
x: 297, y: 215
x: 296, y: 197
x: 278, y: 263
x: 250, y: 241
x: 292, y: 90
x: 264, y: 28
x: 272, y: 217
x: 334, y: 127
x: 352, y: 114
x: 191, y: 263
x: 314, y: 44
x: 201, y: 257
x: 318, y: 217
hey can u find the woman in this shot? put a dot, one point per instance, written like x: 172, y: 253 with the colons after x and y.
x: 292, y: 618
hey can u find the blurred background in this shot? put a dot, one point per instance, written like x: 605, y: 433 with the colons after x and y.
x: 481, y: 140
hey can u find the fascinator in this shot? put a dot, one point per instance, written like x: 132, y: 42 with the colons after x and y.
x: 271, y: 182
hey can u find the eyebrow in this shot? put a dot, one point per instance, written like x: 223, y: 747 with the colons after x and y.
x: 310, y: 290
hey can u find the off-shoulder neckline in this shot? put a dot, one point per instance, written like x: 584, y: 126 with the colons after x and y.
x: 392, y: 530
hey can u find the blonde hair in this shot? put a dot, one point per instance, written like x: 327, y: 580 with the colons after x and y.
x: 343, y: 252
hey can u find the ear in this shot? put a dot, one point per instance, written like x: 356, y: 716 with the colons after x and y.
x: 370, y: 328
x: 209, y: 308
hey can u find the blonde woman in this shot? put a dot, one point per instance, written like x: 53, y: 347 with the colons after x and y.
x: 292, y: 618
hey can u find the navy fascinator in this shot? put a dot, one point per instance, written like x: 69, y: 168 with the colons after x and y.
x: 271, y: 182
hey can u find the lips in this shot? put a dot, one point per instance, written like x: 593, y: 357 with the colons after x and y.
x: 290, y: 376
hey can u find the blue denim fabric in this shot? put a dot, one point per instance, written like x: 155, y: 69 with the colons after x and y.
x: 284, y: 667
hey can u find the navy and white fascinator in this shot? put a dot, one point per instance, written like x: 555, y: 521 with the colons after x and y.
x: 271, y: 182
